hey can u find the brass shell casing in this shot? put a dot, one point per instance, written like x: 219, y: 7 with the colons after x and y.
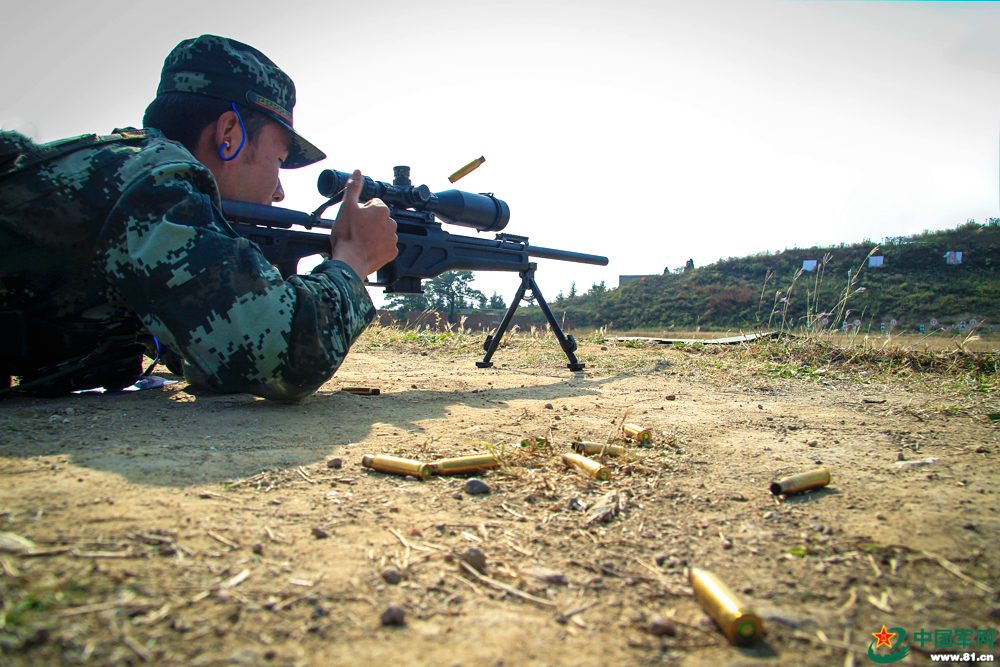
x: 463, y: 464
x: 362, y: 391
x: 813, y: 479
x: 585, y: 465
x: 638, y: 433
x: 396, y: 465
x: 467, y: 169
x: 737, y: 621
x: 596, y: 448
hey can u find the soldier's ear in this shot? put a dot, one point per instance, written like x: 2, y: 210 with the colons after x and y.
x: 228, y: 129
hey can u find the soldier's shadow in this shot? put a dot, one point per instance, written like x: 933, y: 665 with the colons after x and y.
x: 170, y: 437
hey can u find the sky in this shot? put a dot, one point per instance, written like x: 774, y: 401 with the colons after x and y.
x: 650, y: 132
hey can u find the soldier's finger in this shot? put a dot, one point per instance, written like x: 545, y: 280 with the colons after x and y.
x: 353, y: 189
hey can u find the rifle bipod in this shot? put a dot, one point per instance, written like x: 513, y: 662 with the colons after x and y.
x: 568, y: 343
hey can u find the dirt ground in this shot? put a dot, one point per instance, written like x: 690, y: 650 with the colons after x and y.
x: 178, y: 529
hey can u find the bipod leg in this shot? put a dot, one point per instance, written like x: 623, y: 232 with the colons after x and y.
x: 493, y: 342
x: 568, y: 343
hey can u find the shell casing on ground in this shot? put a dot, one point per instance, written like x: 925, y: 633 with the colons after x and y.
x: 598, y: 449
x: 638, y: 433
x: 463, y: 464
x: 396, y: 465
x: 467, y: 169
x: 737, y: 621
x: 813, y: 479
x: 362, y: 391
x: 585, y: 465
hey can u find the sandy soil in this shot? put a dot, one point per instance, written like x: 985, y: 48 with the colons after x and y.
x: 173, y: 528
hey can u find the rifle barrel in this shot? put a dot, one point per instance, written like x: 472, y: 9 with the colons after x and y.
x: 567, y: 256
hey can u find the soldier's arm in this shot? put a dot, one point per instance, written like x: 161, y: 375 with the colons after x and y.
x: 210, y: 295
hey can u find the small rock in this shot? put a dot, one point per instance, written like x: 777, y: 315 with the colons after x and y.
x: 548, y: 576
x: 910, y: 465
x: 13, y: 543
x: 821, y: 568
x: 982, y: 449
x: 476, y: 487
x: 814, y: 443
x: 258, y: 549
x: 604, y: 349
x: 671, y: 397
x: 768, y: 515
x: 394, y: 615
x: 457, y: 495
x: 70, y: 411
x: 475, y: 559
x: 574, y: 504
x: 664, y: 560
x: 320, y: 533
x: 900, y: 457
x: 548, y: 406
x: 659, y: 627
x: 880, y: 516
x: 969, y: 526
x: 335, y: 462
x: 391, y: 576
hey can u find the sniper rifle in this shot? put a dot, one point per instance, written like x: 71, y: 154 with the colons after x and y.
x: 425, y: 249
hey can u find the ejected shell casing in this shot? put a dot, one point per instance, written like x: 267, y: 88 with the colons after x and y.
x: 467, y: 169
x: 813, y: 479
x: 591, y: 468
x: 363, y: 391
x: 463, y: 464
x: 737, y: 621
x: 638, y: 433
x: 598, y: 449
x: 396, y: 465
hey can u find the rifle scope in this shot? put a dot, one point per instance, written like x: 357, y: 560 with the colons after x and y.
x: 482, y: 212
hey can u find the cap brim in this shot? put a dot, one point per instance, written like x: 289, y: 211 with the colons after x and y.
x: 300, y: 152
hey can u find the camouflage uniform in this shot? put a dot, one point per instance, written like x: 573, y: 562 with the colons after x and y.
x: 103, y: 238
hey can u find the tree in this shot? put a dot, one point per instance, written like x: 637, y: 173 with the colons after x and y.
x: 407, y: 303
x: 560, y: 297
x: 598, y: 289
x: 666, y: 270
x: 496, y: 301
x: 572, y: 289
x: 451, y: 291
x: 689, y: 266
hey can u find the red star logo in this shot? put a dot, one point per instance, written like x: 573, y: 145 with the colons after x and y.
x: 883, y: 637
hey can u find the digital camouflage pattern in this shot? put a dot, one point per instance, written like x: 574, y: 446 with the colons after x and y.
x: 104, y: 237
x: 229, y: 70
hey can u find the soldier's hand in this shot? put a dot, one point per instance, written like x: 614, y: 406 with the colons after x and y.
x: 363, y: 236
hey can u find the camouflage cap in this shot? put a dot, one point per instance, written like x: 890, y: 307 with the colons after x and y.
x: 230, y: 70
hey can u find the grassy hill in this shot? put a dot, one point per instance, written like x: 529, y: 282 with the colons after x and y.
x: 914, y: 285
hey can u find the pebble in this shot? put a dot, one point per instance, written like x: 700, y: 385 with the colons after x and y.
x: 391, y: 576
x: 394, y: 615
x: 900, y: 457
x: 910, y: 465
x: 476, y: 486
x: 548, y: 576
x: 320, y: 533
x: 660, y: 626
x: 335, y: 462
x: 457, y: 495
x: 574, y: 504
x: 475, y: 559
x: 982, y: 449
x: 814, y: 443
x: 258, y: 549
x: 671, y: 397
x: 548, y: 406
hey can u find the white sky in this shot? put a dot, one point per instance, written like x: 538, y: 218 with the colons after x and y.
x: 650, y: 132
